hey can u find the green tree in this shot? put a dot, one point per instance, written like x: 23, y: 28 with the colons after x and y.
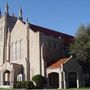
x: 81, y: 47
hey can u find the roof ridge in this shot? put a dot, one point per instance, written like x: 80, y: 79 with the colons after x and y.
x: 60, y: 62
x: 51, y: 30
x: 68, y: 59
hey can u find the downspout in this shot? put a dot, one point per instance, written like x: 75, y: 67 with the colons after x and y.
x: 27, y: 57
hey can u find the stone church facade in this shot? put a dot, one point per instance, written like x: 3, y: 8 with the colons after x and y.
x: 27, y: 50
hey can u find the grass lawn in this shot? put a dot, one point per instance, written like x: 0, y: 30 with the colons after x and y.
x: 48, y: 89
x: 77, y: 89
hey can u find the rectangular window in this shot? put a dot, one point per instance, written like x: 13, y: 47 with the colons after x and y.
x: 54, y: 45
x: 49, y: 44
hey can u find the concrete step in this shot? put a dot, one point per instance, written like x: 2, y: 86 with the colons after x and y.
x: 5, y: 86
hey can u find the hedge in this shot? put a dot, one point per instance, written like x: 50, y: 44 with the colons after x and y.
x: 24, y: 84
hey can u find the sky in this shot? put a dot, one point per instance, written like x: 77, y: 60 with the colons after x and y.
x: 60, y: 15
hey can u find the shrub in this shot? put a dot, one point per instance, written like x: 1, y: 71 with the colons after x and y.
x: 23, y: 84
x: 30, y: 85
x: 39, y: 80
x: 18, y: 84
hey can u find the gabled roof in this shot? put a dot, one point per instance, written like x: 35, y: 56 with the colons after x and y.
x: 58, y: 63
x: 11, y: 20
x: 67, y: 38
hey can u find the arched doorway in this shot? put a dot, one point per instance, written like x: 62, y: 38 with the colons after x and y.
x: 87, y: 79
x: 72, y: 79
x: 53, y: 80
x: 6, y: 77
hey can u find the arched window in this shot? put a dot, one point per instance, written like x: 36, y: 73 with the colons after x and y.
x: 1, y: 34
x: 18, y: 53
x: 19, y: 77
x: 16, y: 50
x: 0, y: 50
x: 11, y: 52
x: 21, y: 49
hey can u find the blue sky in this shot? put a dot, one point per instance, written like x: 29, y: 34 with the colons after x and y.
x: 60, y: 15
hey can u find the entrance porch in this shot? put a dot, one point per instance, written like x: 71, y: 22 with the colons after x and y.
x: 65, y: 73
x: 9, y: 73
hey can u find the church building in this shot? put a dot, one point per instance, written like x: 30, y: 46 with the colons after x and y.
x: 27, y: 50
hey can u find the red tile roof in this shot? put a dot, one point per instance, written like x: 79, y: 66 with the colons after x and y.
x: 58, y: 63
